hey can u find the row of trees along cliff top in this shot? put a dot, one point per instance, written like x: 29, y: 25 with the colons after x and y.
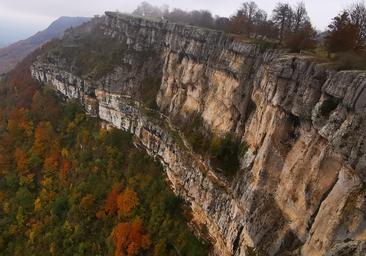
x: 288, y: 27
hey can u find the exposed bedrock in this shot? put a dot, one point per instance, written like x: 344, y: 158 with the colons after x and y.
x: 300, y: 190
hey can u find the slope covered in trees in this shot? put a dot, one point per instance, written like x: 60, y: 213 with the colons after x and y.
x: 68, y: 186
x: 14, y: 53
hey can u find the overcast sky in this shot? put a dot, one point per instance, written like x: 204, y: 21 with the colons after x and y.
x: 19, y: 18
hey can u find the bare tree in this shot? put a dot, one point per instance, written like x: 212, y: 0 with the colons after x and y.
x: 282, y: 16
x: 178, y: 15
x: 247, y: 18
x: 357, y: 15
x: 146, y: 9
x: 201, y: 18
x: 303, y: 38
x: 249, y: 10
x: 222, y: 23
x: 300, y: 17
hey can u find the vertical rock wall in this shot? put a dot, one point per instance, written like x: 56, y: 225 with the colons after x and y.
x: 301, y: 186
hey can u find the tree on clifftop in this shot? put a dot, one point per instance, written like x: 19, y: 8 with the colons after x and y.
x: 248, y: 19
x: 357, y: 15
x: 282, y: 17
x: 300, y: 34
x: 343, y: 35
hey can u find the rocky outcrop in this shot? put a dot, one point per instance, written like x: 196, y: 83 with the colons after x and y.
x: 300, y: 190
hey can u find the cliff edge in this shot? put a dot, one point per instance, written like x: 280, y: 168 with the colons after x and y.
x: 300, y: 186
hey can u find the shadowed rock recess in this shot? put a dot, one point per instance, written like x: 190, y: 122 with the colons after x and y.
x: 300, y: 188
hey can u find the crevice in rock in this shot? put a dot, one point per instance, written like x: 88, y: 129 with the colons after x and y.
x: 290, y: 243
x: 295, y: 132
x: 324, y: 196
x: 237, y: 239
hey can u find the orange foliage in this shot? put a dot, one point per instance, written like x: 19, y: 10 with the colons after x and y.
x: 111, y: 202
x: 100, y: 214
x: 65, y: 167
x: 43, y: 139
x: 127, y: 201
x: 130, y: 238
x: 19, y: 123
x: 51, y: 163
x: 22, y: 86
x: 21, y: 160
x: 124, y: 203
x: 45, y: 107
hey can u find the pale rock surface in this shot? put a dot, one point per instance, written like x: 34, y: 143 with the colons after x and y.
x: 300, y: 190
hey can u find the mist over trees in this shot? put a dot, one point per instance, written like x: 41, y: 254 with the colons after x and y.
x: 202, y: 18
x: 287, y: 26
x: 290, y: 25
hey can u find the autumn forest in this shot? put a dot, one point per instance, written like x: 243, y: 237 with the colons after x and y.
x: 69, y: 186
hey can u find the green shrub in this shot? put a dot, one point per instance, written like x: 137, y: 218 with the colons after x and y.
x: 196, y: 134
x: 149, y: 91
x: 90, y: 54
x: 328, y: 106
x: 265, y: 45
x: 60, y: 206
x: 223, y: 151
x: 71, y: 109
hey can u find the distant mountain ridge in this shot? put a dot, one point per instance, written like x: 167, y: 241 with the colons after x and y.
x: 12, y: 54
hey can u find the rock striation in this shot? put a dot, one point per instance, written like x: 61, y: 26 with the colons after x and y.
x: 301, y: 186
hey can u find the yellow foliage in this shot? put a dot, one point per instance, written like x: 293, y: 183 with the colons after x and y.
x: 6, y: 208
x: 65, y: 153
x: 127, y: 201
x: 37, y: 204
x: 26, y: 179
x: 87, y: 202
x: 19, y: 123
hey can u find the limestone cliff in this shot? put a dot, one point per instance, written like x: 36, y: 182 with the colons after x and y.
x: 300, y: 189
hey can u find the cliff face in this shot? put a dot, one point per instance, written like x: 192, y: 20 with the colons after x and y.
x: 300, y: 189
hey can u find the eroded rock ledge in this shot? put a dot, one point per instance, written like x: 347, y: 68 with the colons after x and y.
x: 301, y: 186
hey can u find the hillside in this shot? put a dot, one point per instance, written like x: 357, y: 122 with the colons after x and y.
x: 266, y: 148
x: 12, y: 54
x: 71, y: 185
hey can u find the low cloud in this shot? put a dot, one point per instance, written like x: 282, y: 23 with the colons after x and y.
x: 38, y: 14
